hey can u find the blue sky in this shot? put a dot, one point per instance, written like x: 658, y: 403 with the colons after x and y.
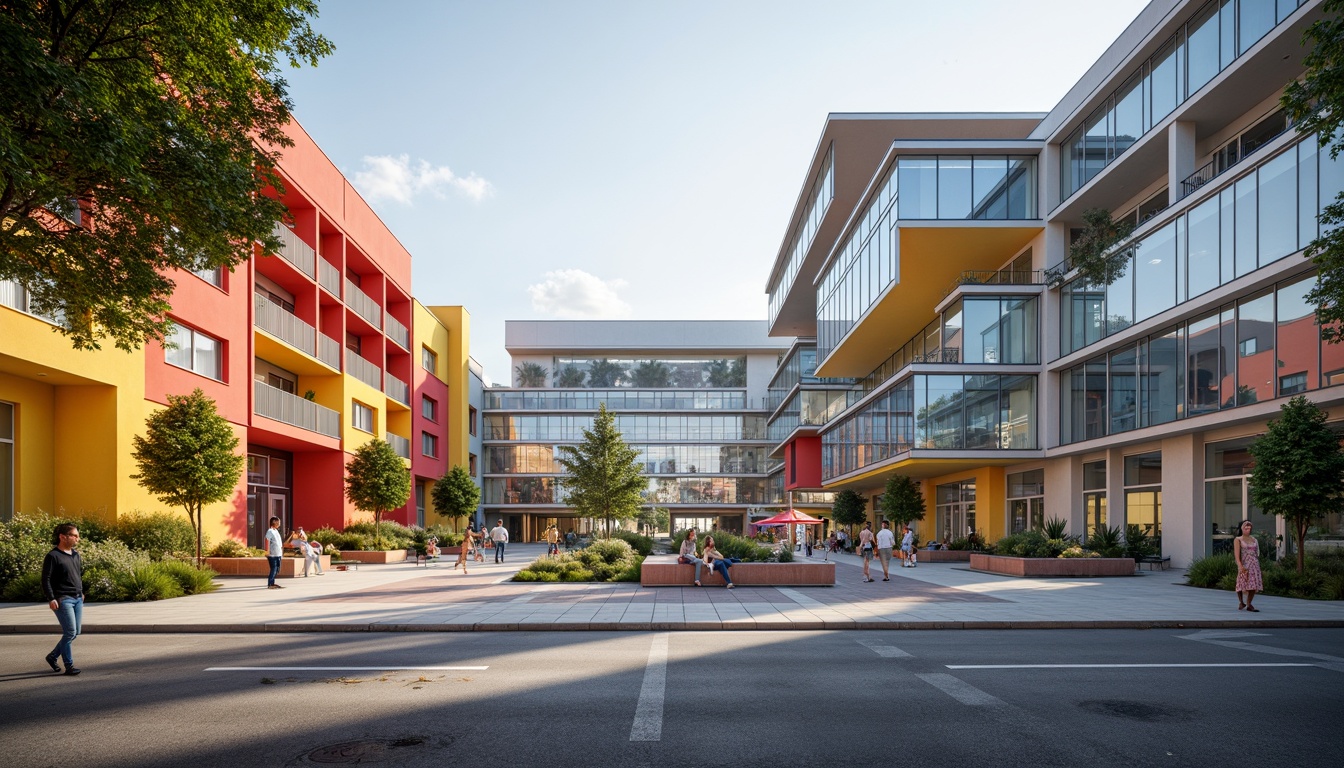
x: 601, y: 159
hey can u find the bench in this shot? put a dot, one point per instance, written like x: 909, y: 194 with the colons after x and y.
x: 1155, y: 562
x: 665, y: 571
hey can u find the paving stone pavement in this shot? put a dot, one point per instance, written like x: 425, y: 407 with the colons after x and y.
x: 407, y: 597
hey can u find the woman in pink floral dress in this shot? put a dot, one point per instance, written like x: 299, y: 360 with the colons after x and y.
x: 1246, y: 550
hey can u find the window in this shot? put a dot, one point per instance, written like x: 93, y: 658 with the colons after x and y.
x: 195, y: 351
x: 1094, y: 496
x: 1143, y: 495
x: 354, y: 343
x: 429, y: 445
x: 213, y: 276
x: 1026, y: 500
x: 471, y: 420
x: 471, y: 464
x: 429, y: 408
x: 428, y: 360
x: 361, y: 417
x: 1293, y: 384
x: 6, y: 462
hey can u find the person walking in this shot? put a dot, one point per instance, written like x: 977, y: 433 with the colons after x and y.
x: 464, y: 552
x: 552, y: 542
x: 687, y: 555
x: 275, y: 548
x: 886, y: 541
x: 500, y: 536
x: 908, y: 548
x: 1246, y: 551
x: 63, y: 585
x: 866, y: 549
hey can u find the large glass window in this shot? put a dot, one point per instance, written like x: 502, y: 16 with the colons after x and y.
x: 1278, y: 207
x: 6, y: 462
x: 1162, y: 369
x: 195, y: 351
x: 1094, y: 497
x: 1256, y: 362
x: 1155, y: 273
x: 1298, y: 339
x: 917, y: 187
x: 1026, y: 500
x: 1203, y: 250
x: 954, y: 187
x: 1124, y: 394
x: 1143, y: 495
x: 1227, y: 470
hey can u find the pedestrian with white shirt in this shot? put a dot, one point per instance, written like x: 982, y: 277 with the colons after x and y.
x: 500, y: 536
x: 886, y: 542
x: 275, y: 548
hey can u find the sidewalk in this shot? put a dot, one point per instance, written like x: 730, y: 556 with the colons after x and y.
x: 403, y: 597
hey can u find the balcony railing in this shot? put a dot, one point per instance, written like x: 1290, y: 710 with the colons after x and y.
x: 397, y: 332
x: 295, y: 251
x: 364, y: 306
x: 273, y: 319
x: 15, y: 296
x: 997, y: 277
x: 396, y: 389
x: 275, y: 403
x: 329, y: 351
x: 329, y: 277
x: 1199, y: 178
x: 364, y: 371
x: 400, y: 445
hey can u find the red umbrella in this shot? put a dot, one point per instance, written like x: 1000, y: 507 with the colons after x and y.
x: 791, y: 517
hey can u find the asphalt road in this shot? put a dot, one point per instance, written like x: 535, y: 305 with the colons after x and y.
x: 742, y: 699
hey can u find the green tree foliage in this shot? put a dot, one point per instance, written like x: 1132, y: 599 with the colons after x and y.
x: 901, y: 501
x: 727, y: 373
x: 187, y: 456
x: 653, y: 519
x: 1299, y: 469
x: 456, y: 494
x: 531, y: 375
x: 604, y: 373
x: 138, y: 137
x: 652, y: 374
x: 1316, y: 105
x: 571, y: 377
x: 376, y: 480
x: 850, y: 508
x: 1095, y: 252
x: 604, y: 479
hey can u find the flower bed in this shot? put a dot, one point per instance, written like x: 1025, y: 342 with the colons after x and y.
x: 1087, y: 567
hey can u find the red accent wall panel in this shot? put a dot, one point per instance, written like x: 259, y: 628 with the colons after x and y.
x: 802, y: 463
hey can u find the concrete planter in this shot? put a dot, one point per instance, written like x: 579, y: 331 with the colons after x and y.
x: 665, y: 571
x: 943, y: 556
x: 376, y: 557
x: 258, y: 566
x: 1053, y: 566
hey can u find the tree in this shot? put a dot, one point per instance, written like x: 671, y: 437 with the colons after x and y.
x: 604, y: 373
x: 1315, y: 104
x: 187, y: 456
x: 654, y: 519
x: 1095, y: 252
x: 138, y: 137
x: 571, y: 377
x: 1299, y: 469
x: 456, y: 494
x: 902, y: 502
x: 531, y: 375
x: 376, y: 480
x: 604, y: 480
x: 850, y: 508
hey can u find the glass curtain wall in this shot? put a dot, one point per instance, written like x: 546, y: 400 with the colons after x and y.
x: 1094, y: 498
x: 821, y: 195
x: 1026, y: 500
x: 1227, y: 501
x: 1143, y: 495
x: 955, y: 510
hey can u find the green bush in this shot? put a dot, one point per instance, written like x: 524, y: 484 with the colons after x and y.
x: 1209, y: 571
x: 192, y: 580
x: 1054, y: 528
x: 1076, y: 551
x: 147, y: 582
x: 234, y: 548
x: 643, y: 545
x: 611, y: 560
x: 95, y: 529
x: 1107, y: 541
x: 158, y: 533
x: 566, y: 567
x: 26, y: 588
x: 343, y: 540
x: 394, y: 535
x: 24, y: 541
x: 103, y: 564
x: 1138, y: 544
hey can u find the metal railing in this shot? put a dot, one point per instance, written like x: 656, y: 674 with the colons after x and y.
x: 295, y: 251
x: 365, y: 371
x: 396, y: 331
x: 396, y: 389
x: 400, y: 445
x: 996, y: 277
x: 273, y: 319
x: 329, y: 277
x: 364, y: 306
x: 275, y: 403
x: 329, y: 351
x: 1199, y: 178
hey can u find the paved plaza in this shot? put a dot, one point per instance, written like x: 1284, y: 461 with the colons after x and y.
x: 407, y: 597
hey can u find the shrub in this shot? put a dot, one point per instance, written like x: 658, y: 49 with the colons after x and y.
x: 1107, y: 542
x: 1209, y: 571
x: 566, y: 567
x: 643, y: 545
x: 103, y: 563
x: 1138, y: 544
x: 234, y: 548
x: 26, y: 588
x: 158, y: 533
x: 95, y: 529
x: 1077, y: 551
x: 1054, y: 528
x: 394, y: 535
x: 24, y: 541
x: 343, y: 540
x: 192, y: 580
x: 147, y: 582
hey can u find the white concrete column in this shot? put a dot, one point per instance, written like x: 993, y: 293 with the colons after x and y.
x: 1063, y: 491
x: 1185, y: 521
x: 1180, y: 157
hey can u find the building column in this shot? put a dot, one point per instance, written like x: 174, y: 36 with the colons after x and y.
x: 1180, y: 157
x: 1185, y: 521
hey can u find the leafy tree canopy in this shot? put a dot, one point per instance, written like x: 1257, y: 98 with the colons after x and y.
x: 1095, y: 252
x: 901, y: 501
x: 456, y: 494
x: 849, y: 509
x: 187, y: 456
x: 1299, y: 469
x: 376, y: 480
x: 605, y: 479
x: 136, y: 138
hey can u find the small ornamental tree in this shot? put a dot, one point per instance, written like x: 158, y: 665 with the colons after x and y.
x: 456, y: 494
x: 654, y: 519
x: 1299, y: 469
x: 376, y: 480
x: 902, y: 502
x: 604, y: 479
x: 1095, y: 253
x: 187, y: 456
x: 850, y: 508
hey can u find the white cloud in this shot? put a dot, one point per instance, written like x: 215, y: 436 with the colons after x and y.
x: 394, y: 178
x: 572, y: 294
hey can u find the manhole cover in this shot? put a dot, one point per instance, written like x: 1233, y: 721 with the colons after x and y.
x: 1136, y: 710
x: 365, y: 751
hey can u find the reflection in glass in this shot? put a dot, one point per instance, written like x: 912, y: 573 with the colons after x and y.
x: 954, y: 187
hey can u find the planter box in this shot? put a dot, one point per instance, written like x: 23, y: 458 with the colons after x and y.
x: 377, y: 557
x: 942, y: 556
x: 258, y: 566
x: 1053, y: 566
x: 665, y: 571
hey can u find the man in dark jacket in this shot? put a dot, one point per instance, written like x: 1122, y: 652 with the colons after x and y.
x: 63, y: 585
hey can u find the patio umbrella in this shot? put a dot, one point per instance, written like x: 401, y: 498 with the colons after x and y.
x: 791, y: 517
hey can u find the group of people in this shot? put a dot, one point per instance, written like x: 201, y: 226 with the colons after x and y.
x: 709, y: 555
x: 311, y: 551
x: 882, y: 546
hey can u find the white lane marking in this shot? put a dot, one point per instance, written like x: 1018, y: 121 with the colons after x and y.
x: 648, y: 724
x: 1111, y: 666
x: 961, y: 691
x: 392, y: 668
x: 884, y: 650
x: 1205, y: 637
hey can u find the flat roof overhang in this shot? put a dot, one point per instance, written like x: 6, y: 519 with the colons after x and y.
x: 933, y: 255
x: 924, y: 464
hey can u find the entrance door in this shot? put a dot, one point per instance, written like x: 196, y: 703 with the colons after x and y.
x: 278, y: 510
x: 956, y: 510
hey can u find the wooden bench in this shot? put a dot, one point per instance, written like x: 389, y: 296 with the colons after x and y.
x: 665, y: 571
x: 1155, y: 562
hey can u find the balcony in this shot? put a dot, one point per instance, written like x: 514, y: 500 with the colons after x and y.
x: 295, y: 251
x: 397, y: 332
x: 396, y: 389
x: 364, y: 306
x: 364, y: 370
x: 400, y: 445
x: 277, y: 404
x: 329, y: 351
x: 329, y: 277
x: 273, y: 319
